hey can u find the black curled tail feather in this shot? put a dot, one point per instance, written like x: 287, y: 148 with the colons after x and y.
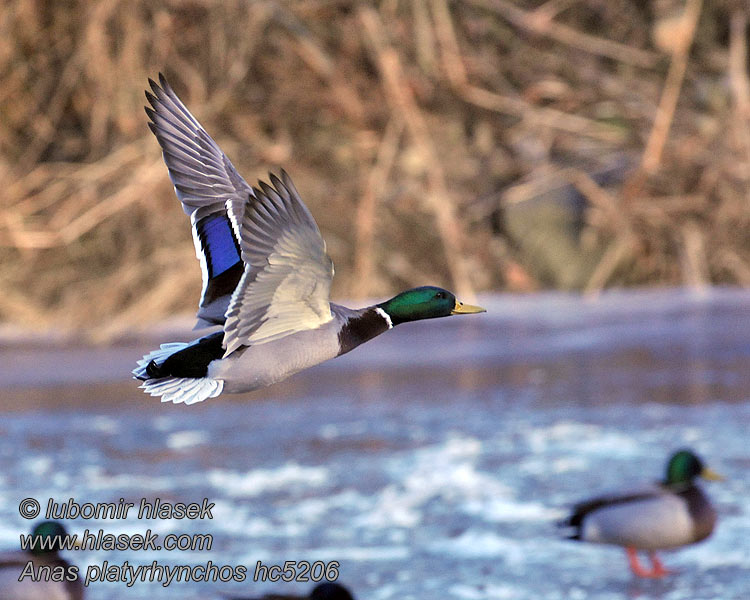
x: 181, y: 360
x: 574, y: 522
x: 191, y: 361
x: 154, y: 371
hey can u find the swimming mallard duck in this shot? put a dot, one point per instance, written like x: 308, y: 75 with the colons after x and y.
x: 669, y: 514
x: 322, y: 591
x: 266, y: 276
x: 62, y: 582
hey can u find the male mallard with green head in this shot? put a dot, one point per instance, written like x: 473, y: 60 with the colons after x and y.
x: 673, y: 513
x: 57, y: 578
x: 266, y: 276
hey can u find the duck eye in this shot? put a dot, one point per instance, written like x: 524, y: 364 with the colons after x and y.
x: 440, y: 295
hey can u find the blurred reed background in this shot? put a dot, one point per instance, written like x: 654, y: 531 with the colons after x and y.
x: 482, y: 145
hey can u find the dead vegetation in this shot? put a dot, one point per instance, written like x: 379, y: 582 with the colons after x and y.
x: 457, y: 143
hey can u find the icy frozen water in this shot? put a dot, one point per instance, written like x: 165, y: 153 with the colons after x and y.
x: 432, y: 463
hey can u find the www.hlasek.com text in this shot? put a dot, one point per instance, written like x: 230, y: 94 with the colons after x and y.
x: 98, y: 540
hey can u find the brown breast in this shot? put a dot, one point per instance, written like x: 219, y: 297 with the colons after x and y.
x: 701, y: 511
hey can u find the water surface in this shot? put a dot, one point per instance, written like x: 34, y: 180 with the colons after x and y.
x: 431, y: 463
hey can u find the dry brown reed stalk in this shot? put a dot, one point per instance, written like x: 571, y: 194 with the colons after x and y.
x: 738, y: 77
x: 544, y: 117
x: 366, y: 217
x: 438, y: 198
x: 550, y: 9
x: 694, y: 264
x: 539, y: 22
x: 671, y: 92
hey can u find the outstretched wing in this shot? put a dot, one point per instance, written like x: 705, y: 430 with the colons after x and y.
x: 212, y: 193
x: 288, y: 274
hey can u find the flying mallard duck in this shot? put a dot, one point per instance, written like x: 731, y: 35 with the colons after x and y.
x: 322, y: 591
x: 266, y: 276
x: 670, y: 514
x: 54, y: 586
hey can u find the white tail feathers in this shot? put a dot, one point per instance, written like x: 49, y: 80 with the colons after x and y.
x: 175, y: 389
x: 183, y: 389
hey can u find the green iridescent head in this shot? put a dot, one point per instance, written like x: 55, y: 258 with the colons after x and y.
x: 45, y: 530
x: 426, y: 302
x: 684, y: 466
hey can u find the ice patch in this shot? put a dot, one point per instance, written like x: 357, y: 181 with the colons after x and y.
x: 240, y: 520
x: 329, y: 431
x: 163, y: 423
x: 447, y: 472
x: 97, y: 479
x: 361, y: 553
x: 316, y: 509
x: 474, y: 544
x: 261, y: 481
x: 580, y: 438
x: 501, y: 510
x: 37, y: 465
x: 488, y: 592
x: 104, y: 424
x: 186, y: 439
x: 543, y: 466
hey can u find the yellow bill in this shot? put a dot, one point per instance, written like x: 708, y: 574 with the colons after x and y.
x: 710, y: 474
x: 466, y: 309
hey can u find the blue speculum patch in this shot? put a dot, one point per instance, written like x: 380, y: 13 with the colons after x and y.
x: 218, y: 244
